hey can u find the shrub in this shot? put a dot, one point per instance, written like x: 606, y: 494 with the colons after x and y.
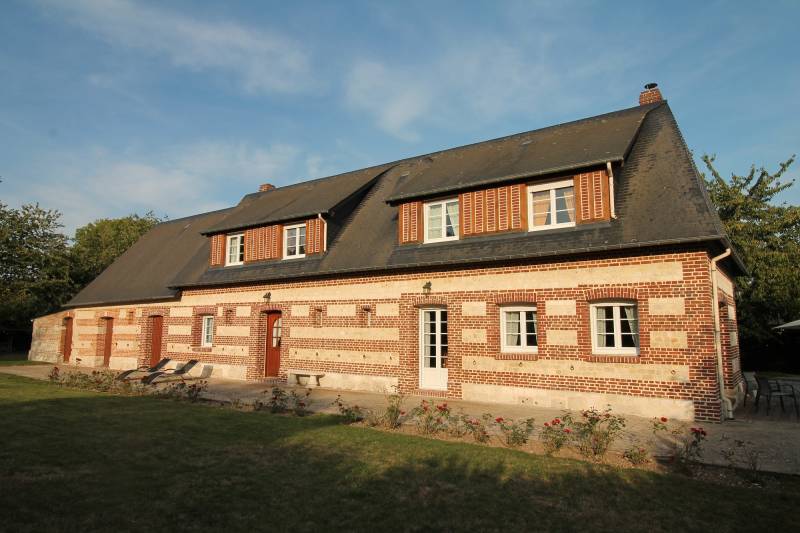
x: 554, y: 436
x: 393, y: 416
x: 743, y: 455
x: 479, y: 427
x: 54, y: 376
x: 595, y: 431
x: 636, y: 455
x: 685, y: 443
x: 457, y: 424
x: 298, y: 403
x: 276, y: 403
x: 516, y: 433
x: 430, y: 420
x: 350, y: 413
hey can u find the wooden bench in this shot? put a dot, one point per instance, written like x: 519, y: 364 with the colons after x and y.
x: 295, y: 375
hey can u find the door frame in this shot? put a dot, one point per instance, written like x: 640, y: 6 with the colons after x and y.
x: 268, y: 341
x: 432, y: 379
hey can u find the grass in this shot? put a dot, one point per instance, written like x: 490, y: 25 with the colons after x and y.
x: 17, y: 359
x: 75, y: 460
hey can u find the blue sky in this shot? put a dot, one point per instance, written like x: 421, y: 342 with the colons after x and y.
x: 114, y: 107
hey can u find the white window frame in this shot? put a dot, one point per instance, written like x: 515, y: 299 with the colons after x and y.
x: 297, y: 243
x: 551, y: 186
x: 524, y: 348
x: 228, y: 239
x: 443, y: 204
x: 207, y: 331
x: 617, y: 349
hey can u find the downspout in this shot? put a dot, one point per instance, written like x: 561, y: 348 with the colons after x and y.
x: 726, y: 402
x: 611, y: 190
x: 324, y: 232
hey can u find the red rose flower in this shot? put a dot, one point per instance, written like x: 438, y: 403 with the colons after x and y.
x: 402, y: 413
x: 499, y: 419
x: 664, y: 419
x: 547, y: 425
x: 556, y: 421
x: 567, y: 430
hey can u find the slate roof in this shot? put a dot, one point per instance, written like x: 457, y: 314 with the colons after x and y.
x: 659, y: 195
x: 147, y: 269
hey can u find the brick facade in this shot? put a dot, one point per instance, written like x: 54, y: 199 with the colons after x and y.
x: 363, y: 332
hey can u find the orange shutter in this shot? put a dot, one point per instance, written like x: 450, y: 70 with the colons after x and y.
x: 217, y: 250
x: 315, y: 236
x: 591, y: 197
x: 503, y: 211
x: 409, y: 225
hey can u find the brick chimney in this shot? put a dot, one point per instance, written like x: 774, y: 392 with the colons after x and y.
x: 650, y: 95
x: 264, y: 187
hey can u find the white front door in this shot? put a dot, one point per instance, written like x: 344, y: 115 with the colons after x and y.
x: 433, y: 349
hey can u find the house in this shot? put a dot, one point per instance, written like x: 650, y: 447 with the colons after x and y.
x: 572, y: 266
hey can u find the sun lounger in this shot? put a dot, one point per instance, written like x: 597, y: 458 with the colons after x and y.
x: 142, y: 371
x: 181, y: 373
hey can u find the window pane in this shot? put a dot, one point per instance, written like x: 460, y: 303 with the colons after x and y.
x: 241, y: 248
x: 513, y: 336
x: 565, y: 205
x: 541, y: 208
x: 435, y: 221
x: 605, y: 326
x: 629, y: 326
x: 302, y: 240
x: 530, y: 328
x: 451, y: 219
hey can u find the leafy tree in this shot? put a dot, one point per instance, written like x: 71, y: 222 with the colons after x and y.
x: 34, y: 266
x: 767, y: 235
x: 99, y: 243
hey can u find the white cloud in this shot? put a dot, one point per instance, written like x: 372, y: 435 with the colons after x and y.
x: 185, y: 180
x: 263, y: 61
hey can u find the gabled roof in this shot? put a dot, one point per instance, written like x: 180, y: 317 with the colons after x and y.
x: 302, y: 200
x: 146, y: 270
x: 660, y: 200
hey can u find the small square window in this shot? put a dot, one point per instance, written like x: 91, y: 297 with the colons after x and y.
x: 615, y: 328
x: 294, y: 241
x: 441, y: 220
x: 207, y: 333
x: 235, y: 250
x: 551, y: 205
x: 518, y: 330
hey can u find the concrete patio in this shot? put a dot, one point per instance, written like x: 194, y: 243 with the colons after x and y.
x: 777, y: 437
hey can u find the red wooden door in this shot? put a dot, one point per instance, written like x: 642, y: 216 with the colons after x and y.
x: 107, y: 344
x: 67, y: 339
x: 157, y: 329
x: 273, y: 349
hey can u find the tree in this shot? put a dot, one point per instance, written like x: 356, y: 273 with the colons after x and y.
x: 99, y: 243
x: 34, y: 266
x: 767, y: 236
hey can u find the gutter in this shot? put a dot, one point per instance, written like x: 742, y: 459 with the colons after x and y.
x: 727, y: 411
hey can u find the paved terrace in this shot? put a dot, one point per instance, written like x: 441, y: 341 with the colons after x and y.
x: 776, y: 436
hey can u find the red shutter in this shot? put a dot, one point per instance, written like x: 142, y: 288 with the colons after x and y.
x: 409, y: 226
x: 217, y: 249
x: 503, y: 212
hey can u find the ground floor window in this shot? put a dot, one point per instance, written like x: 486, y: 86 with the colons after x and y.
x: 207, y: 333
x: 518, y: 330
x: 615, y: 328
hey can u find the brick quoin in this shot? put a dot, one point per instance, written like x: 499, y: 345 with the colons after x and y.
x: 359, y: 328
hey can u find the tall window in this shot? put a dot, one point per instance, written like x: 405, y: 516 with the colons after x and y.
x: 551, y: 205
x: 207, y: 333
x: 518, y: 331
x: 441, y: 220
x: 235, y: 255
x: 615, y: 328
x: 294, y: 241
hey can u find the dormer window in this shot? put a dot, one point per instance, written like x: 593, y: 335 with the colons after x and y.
x: 235, y: 250
x: 294, y: 238
x: 441, y: 220
x: 551, y: 205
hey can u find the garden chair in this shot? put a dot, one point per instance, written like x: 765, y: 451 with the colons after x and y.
x: 143, y: 371
x: 178, y: 373
x: 770, y: 388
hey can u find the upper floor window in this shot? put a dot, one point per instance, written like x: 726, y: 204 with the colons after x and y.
x: 441, y: 220
x: 235, y: 248
x: 518, y: 329
x: 207, y: 333
x: 294, y: 238
x: 615, y: 328
x: 551, y: 205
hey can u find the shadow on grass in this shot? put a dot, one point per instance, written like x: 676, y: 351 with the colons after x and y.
x: 83, y: 461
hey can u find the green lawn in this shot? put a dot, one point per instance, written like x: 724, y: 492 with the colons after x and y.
x: 81, y: 461
x: 15, y: 359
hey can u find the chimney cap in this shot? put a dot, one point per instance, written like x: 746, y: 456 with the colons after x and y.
x: 650, y: 86
x: 264, y: 187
